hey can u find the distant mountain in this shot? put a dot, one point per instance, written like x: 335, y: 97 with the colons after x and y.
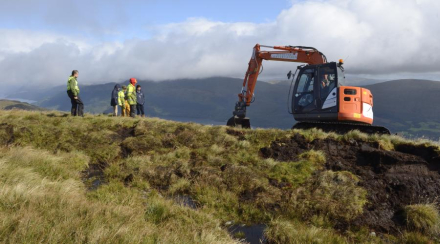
x: 410, y: 107
x: 11, y: 104
x: 361, y: 81
x: 199, y: 99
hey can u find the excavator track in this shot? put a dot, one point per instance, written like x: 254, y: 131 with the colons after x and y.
x: 342, y: 128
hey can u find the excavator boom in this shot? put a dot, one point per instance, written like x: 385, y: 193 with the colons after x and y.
x: 296, y: 54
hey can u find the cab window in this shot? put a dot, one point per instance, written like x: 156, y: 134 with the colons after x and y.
x: 306, y: 81
x: 327, y: 80
x: 341, y: 77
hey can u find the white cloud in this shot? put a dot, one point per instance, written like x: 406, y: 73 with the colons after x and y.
x: 380, y: 37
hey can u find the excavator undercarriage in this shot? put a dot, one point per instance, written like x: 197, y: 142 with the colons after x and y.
x: 342, y: 127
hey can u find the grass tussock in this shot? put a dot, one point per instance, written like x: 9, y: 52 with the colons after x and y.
x: 424, y: 218
x: 288, y: 232
x: 335, y: 195
x: 386, y: 142
x: 415, y: 238
x: 296, y: 173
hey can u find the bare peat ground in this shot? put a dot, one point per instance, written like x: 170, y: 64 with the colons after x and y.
x: 408, y: 175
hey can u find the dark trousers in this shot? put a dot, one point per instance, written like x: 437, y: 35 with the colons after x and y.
x: 77, y: 105
x: 140, y: 109
x: 133, y: 111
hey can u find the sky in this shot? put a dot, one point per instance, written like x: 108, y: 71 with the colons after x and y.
x: 110, y: 41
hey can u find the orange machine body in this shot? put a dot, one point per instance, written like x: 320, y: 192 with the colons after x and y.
x: 355, y: 104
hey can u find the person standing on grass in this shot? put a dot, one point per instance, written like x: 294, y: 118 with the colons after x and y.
x: 125, y: 107
x: 73, y: 93
x: 140, y: 100
x: 114, y: 102
x: 131, y: 96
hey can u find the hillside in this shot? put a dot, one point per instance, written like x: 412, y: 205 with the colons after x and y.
x: 10, y: 104
x: 408, y: 105
x: 405, y: 106
x: 122, y: 180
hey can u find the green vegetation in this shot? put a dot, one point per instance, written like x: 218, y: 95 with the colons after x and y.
x: 423, y: 217
x: 281, y: 231
x: 415, y: 238
x: 44, y: 200
x: 50, y: 165
x: 332, y: 194
x: 411, y: 129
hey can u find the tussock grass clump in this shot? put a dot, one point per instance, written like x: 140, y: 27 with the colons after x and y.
x: 296, y: 173
x: 422, y: 217
x: 332, y: 194
x: 288, y: 232
x: 313, y: 134
x: 386, y: 142
x: 315, y: 157
x: 354, y: 135
x: 181, y: 186
x: 415, y: 238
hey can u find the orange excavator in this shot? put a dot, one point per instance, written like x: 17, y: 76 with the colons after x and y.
x: 319, y: 97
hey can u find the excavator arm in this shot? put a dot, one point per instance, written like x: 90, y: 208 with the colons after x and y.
x: 296, y: 54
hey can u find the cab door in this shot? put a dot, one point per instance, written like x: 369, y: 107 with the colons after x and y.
x: 327, y: 87
x: 305, y: 94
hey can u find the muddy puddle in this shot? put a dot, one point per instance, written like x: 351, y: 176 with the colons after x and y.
x: 253, y: 234
x: 185, y: 201
x: 94, y: 177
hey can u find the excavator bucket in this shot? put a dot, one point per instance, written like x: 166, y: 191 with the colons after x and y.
x: 235, y: 121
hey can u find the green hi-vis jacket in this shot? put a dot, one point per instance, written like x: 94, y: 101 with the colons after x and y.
x: 131, y: 94
x: 121, y: 98
x: 72, y: 85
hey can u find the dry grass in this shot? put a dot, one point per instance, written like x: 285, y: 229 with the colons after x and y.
x: 288, y: 232
x: 43, y: 200
x: 43, y: 197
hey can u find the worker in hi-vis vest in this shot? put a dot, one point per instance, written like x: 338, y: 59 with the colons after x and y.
x: 73, y: 93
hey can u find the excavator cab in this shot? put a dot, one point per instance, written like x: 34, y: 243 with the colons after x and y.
x: 321, y: 100
x: 315, y: 93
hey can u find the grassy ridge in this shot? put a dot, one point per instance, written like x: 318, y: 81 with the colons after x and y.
x: 10, y: 104
x: 147, y: 163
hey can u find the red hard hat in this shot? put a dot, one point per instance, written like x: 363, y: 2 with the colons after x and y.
x: 133, y: 81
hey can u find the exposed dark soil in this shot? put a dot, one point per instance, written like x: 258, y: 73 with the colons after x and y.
x: 393, y: 179
x: 94, y: 176
x: 238, y: 133
x: 8, y: 136
x: 122, y: 134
